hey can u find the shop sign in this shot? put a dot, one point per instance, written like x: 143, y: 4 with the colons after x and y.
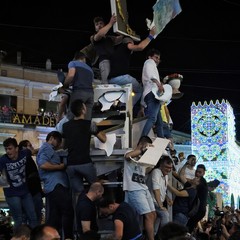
x: 34, y: 120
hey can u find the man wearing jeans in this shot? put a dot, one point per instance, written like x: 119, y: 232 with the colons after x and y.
x: 157, y: 184
x: 17, y: 195
x: 104, y: 44
x: 80, y: 76
x: 202, y: 192
x: 150, y: 79
x: 120, y: 62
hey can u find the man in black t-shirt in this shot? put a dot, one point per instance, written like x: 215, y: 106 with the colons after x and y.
x: 86, y: 211
x: 77, y: 137
x: 124, y: 217
x: 202, y: 192
x: 104, y: 44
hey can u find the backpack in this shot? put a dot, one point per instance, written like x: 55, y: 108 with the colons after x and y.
x: 194, y: 207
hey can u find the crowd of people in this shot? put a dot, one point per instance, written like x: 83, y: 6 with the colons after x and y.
x: 75, y: 198
x: 6, y: 113
x: 73, y: 211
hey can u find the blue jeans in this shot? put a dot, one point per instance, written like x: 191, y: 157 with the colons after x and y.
x: 153, y: 116
x: 162, y: 217
x: 76, y: 174
x: 180, y: 218
x: 17, y: 205
x: 166, y: 130
x: 126, y: 79
x: 38, y: 203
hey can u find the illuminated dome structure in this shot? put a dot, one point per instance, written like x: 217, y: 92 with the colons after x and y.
x: 214, y: 144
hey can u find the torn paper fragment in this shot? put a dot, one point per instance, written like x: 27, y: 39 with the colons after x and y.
x: 105, y: 104
x: 108, y: 145
x: 123, y: 98
x: 53, y: 96
x: 112, y: 96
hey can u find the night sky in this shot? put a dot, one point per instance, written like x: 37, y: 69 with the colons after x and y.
x: 202, y: 43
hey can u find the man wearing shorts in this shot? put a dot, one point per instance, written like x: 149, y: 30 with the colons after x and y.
x: 135, y: 188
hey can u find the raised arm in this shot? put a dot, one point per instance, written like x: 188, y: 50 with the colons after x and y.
x: 104, y: 30
x: 181, y: 174
x: 143, y: 44
x: 139, y: 150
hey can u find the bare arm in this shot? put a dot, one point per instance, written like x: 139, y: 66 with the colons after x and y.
x: 157, y: 195
x: 35, y: 151
x: 176, y: 175
x: 169, y: 201
x: 103, y: 31
x: 143, y: 44
x: 101, y: 136
x: 156, y: 81
x: 118, y: 229
x: 86, y: 226
x: 138, y: 151
x: 134, y: 153
x: 182, y: 193
x: 159, y: 84
x: 225, y: 231
x: 182, y: 177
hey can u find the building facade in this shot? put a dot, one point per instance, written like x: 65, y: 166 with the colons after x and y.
x: 214, y: 143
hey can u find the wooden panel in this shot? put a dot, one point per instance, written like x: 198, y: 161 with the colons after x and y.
x: 119, y: 7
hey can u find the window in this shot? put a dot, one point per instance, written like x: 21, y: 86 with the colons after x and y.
x: 8, y: 105
x: 48, y: 108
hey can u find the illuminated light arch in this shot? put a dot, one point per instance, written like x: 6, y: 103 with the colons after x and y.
x: 214, y: 144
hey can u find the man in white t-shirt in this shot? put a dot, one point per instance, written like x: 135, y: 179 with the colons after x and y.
x: 157, y: 183
x: 152, y: 105
x: 181, y: 161
x: 135, y: 188
x: 187, y: 172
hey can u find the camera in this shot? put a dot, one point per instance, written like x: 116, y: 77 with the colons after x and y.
x: 217, y: 222
x: 219, y: 213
